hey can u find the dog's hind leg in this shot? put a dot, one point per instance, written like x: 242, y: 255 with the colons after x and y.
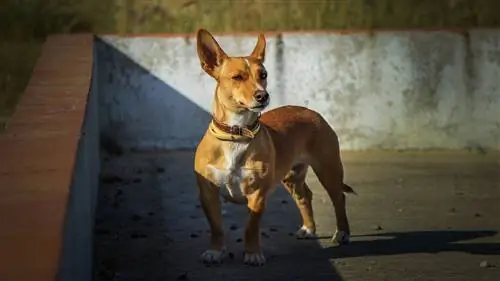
x: 330, y: 173
x: 295, y: 184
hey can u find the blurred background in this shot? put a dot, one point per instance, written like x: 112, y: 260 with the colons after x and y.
x: 26, y: 23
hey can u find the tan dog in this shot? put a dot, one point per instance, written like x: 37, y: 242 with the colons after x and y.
x: 243, y: 156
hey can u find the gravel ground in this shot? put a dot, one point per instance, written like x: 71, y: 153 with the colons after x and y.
x: 418, y: 216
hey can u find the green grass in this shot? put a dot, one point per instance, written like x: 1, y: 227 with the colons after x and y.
x: 183, y: 16
x: 24, y: 24
x: 16, y: 63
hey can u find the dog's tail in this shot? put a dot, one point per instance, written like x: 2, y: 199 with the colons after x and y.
x: 348, y: 189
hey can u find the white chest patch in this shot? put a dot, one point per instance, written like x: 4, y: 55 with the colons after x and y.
x: 231, y: 175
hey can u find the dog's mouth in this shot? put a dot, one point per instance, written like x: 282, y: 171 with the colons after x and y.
x: 256, y: 108
x: 259, y: 107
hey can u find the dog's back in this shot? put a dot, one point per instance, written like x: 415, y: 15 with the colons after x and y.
x: 303, y: 127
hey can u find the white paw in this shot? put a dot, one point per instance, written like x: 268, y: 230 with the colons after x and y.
x: 213, y: 256
x: 340, y: 238
x: 305, y: 233
x: 254, y: 259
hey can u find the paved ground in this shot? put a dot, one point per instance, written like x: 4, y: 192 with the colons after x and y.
x: 432, y: 216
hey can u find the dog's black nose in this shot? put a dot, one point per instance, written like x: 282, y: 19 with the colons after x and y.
x: 261, y: 96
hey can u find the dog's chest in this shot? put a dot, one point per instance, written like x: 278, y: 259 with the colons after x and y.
x: 233, y: 175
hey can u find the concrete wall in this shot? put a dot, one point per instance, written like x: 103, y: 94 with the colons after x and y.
x: 391, y: 90
x: 77, y: 255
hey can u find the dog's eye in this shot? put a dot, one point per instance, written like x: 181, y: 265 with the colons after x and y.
x: 263, y: 75
x: 238, y: 77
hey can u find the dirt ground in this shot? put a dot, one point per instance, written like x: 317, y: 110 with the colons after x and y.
x: 427, y: 216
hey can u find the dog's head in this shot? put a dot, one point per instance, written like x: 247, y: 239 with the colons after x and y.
x: 241, y: 81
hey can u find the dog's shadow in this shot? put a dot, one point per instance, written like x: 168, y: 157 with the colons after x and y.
x: 432, y: 242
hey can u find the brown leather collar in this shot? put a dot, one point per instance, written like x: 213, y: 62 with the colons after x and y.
x: 236, y: 130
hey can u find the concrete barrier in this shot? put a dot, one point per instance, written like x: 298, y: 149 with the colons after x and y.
x: 76, y: 261
x: 49, y: 167
x: 386, y: 90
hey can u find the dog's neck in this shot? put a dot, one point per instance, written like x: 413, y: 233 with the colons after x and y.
x: 233, y: 118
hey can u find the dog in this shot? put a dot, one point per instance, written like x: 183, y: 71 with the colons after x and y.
x: 244, y: 155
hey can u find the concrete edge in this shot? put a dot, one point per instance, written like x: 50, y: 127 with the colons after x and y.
x: 40, y: 155
x: 76, y: 261
x: 348, y: 31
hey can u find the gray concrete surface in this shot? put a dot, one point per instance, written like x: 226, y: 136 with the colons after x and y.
x: 432, y: 216
x: 391, y: 90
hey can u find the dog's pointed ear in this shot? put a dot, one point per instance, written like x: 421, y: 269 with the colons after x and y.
x: 210, y: 53
x: 259, y: 52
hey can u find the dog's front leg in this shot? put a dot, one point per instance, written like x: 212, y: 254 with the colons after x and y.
x: 253, y: 251
x: 210, y: 203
